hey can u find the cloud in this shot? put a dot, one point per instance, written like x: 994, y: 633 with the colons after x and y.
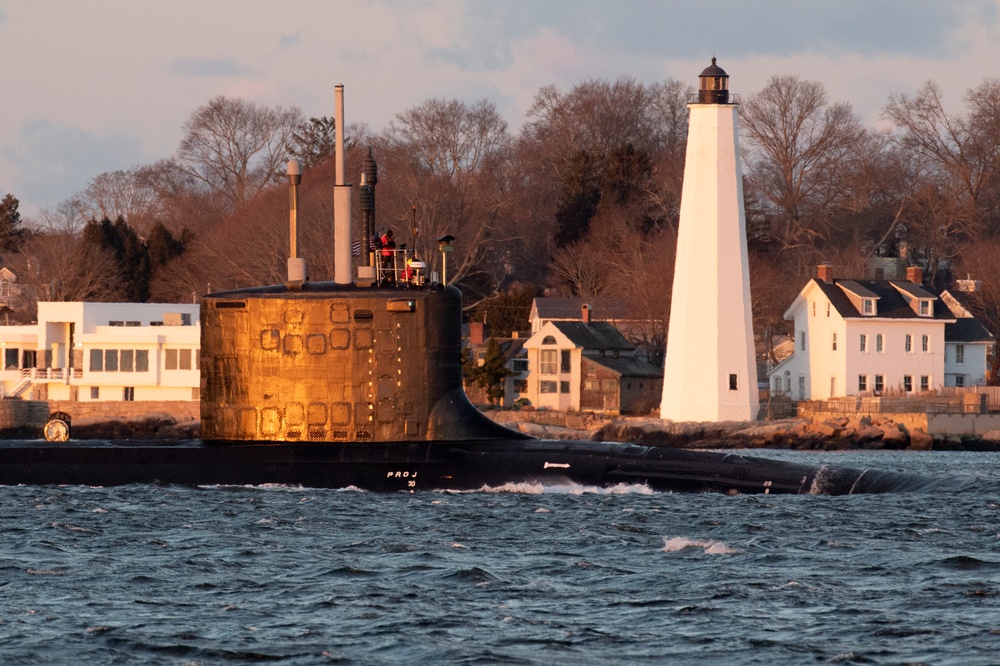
x: 207, y: 67
x: 55, y: 160
x: 287, y: 41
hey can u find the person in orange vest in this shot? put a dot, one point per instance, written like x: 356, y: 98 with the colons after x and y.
x: 388, y: 256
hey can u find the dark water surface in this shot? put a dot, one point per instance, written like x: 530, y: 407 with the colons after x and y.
x: 174, y: 575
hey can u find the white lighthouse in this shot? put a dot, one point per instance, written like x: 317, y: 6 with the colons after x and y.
x: 710, y: 372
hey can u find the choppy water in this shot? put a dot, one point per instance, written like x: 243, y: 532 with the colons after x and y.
x: 173, y: 575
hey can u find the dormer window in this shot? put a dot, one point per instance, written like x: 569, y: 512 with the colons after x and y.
x: 925, y: 307
x: 868, y: 307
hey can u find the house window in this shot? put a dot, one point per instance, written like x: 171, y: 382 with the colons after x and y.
x: 519, y: 365
x: 96, y: 360
x: 733, y: 383
x: 959, y: 354
x: 868, y: 307
x: 549, y: 361
x: 908, y: 383
x: 548, y: 340
x: 128, y: 361
x: 564, y: 387
x: 879, y: 383
x: 864, y: 343
x: 128, y: 393
x: 95, y: 392
x: 777, y: 385
x: 959, y: 380
x: 802, y: 387
x: 564, y: 360
x: 814, y: 308
x: 834, y: 342
x: 925, y: 343
x: 10, y: 358
x: 111, y: 360
x: 592, y: 385
x: 909, y: 343
x: 925, y: 307
x: 925, y: 383
x: 828, y: 309
x: 833, y: 386
x: 547, y: 387
x: 862, y: 382
x: 802, y: 340
x: 878, y: 344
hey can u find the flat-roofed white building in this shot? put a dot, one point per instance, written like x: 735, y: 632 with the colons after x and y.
x: 81, y: 351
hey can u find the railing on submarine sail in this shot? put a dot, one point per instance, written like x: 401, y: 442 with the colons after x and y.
x: 399, y: 267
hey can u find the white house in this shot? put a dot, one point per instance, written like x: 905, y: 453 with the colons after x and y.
x: 104, y: 351
x: 875, y: 337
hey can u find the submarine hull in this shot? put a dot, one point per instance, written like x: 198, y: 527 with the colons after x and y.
x: 439, y: 465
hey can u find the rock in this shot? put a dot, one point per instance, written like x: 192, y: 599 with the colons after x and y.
x: 920, y: 441
x: 991, y: 436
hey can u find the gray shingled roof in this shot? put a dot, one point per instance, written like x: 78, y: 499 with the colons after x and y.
x: 626, y: 366
x: 597, y: 336
x: 966, y: 329
x: 891, y: 304
x: 566, y: 307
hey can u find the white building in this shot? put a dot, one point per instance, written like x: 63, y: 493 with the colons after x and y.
x: 710, y: 372
x: 876, y: 337
x: 104, y: 351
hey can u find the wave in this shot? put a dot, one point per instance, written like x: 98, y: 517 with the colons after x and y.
x: 710, y: 546
x: 536, y: 488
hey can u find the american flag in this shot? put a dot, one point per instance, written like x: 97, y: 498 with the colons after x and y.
x: 355, y: 248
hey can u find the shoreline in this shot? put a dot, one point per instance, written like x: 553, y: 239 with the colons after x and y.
x: 836, y: 434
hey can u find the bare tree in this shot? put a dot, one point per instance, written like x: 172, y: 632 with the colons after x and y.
x: 797, y: 143
x: 237, y: 148
x: 958, y: 154
x: 58, y: 266
x: 121, y: 194
x: 448, y: 159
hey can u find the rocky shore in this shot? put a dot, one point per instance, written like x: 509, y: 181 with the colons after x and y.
x: 837, y: 434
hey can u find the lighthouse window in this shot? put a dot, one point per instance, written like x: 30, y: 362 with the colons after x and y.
x: 732, y: 383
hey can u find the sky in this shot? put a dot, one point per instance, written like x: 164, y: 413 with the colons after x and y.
x: 100, y: 85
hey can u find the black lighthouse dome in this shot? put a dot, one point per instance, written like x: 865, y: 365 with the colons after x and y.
x: 713, y: 85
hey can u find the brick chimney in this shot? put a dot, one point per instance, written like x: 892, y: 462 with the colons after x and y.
x: 585, y: 314
x: 915, y: 274
x: 478, y: 332
x: 824, y: 272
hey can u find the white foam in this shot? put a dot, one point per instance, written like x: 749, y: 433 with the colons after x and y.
x: 709, y: 546
x: 535, y: 488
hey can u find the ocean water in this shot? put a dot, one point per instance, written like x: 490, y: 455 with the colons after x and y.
x: 517, y: 575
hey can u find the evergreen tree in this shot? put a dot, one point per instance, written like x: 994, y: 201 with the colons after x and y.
x: 314, y: 141
x: 492, y: 373
x: 163, y: 246
x: 12, y: 234
x: 129, y: 250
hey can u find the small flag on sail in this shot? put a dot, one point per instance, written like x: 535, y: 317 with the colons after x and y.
x: 355, y: 248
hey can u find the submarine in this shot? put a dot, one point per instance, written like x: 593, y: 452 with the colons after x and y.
x: 357, y: 383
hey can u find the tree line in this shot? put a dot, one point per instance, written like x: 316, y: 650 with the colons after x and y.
x: 583, y: 200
